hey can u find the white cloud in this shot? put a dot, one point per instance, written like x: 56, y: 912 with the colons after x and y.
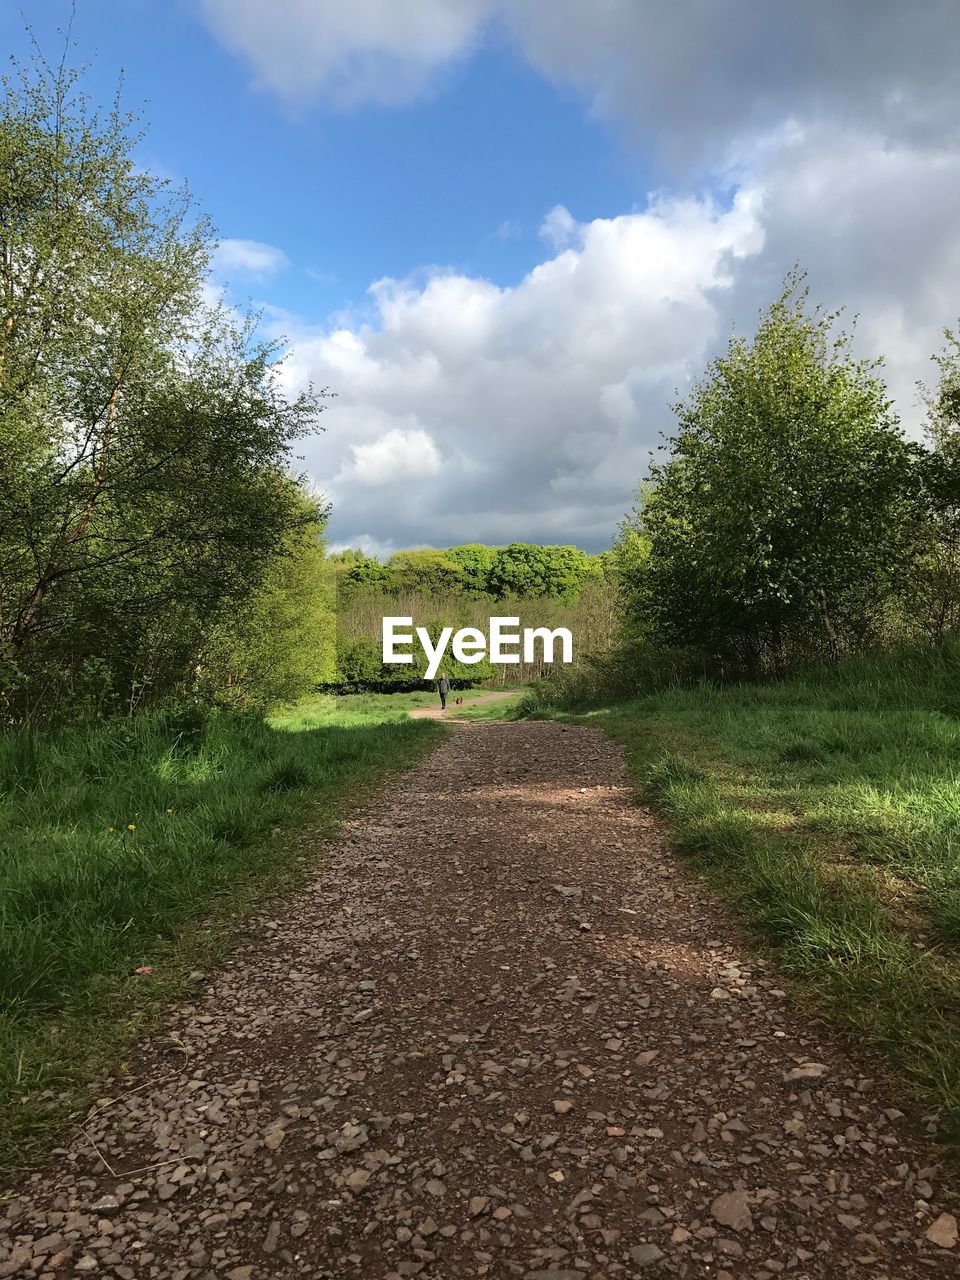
x: 540, y: 399
x: 248, y: 260
x: 544, y: 399
x: 690, y: 74
x: 872, y: 221
x: 398, y: 456
x: 559, y: 228
x: 385, y: 51
x: 829, y: 135
x: 376, y: 548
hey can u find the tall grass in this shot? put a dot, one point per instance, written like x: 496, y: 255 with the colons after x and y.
x: 827, y: 808
x: 121, y: 841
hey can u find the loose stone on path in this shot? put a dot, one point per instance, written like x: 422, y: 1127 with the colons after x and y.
x: 503, y: 1034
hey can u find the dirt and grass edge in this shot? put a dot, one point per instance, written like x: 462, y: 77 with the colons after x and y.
x: 92, y: 1041
x: 842, y: 954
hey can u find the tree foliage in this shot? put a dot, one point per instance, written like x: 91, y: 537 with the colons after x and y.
x: 933, y: 603
x: 144, y: 437
x: 522, y: 570
x: 476, y: 561
x: 525, y: 569
x: 354, y: 571
x: 785, y: 516
x: 426, y: 571
x: 281, y: 643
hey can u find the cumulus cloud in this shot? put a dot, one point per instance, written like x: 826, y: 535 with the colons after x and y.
x: 248, y: 260
x: 398, y: 456
x: 816, y: 132
x: 467, y: 410
x: 693, y: 76
x: 689, y: 74
x: 385, y: 51
x: 559, y: 228
x: 872, y: 222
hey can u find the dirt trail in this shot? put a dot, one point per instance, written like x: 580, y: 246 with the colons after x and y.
x: 503, y: 1034
x: 435, y: 713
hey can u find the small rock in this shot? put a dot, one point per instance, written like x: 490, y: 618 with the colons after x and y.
x: 731, y: 1210
x: 645, y: 1255
x: 943, y: 1232
x: 806, y: 1071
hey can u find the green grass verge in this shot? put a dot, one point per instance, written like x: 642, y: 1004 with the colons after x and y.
x: 495, y: 709
x: 827, y: 808
x: 146, y: 842
x: 350, y: 710
x: 394, y: 708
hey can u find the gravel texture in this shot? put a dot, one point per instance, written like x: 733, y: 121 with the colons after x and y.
x: 504, y: 1033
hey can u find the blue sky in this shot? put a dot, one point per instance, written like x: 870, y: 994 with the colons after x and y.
x: 507, y: 232
x: 459, y: 179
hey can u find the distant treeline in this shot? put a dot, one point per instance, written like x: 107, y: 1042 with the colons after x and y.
x: 522, y: 570
x: 552, y: 586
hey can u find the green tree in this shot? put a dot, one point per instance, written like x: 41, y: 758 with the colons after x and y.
x: 428, y: 572
x: 144, y: 437
x: 529, y: 570
x: 781, y: 522
x: 934, y: 598
x: 281, y: 644
x: 630, y: 557
x: 476, y: 561
x: 354, y: 571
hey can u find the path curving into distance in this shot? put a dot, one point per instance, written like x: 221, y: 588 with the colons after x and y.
x: 503, y: 1033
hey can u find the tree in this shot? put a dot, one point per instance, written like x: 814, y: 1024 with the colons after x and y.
x: 783, y: 517
x: 355, y: 570
x: 144, y: 437
x: 527, y: 569
x: 427, y: 572
x: 630, y: 557
x: 476, y: 562
x: 281, y: 644
x: 934, y: 599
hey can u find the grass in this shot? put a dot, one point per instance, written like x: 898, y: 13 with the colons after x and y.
x: 498, y: 709
x: 144, y: 843
x: 827, y: 808
x: 331, y: 710
x: 393, y: 708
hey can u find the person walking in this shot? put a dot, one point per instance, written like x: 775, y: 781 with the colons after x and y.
x: 443, y: 688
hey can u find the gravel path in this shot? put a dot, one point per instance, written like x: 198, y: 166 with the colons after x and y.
x: 503, y: 1034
